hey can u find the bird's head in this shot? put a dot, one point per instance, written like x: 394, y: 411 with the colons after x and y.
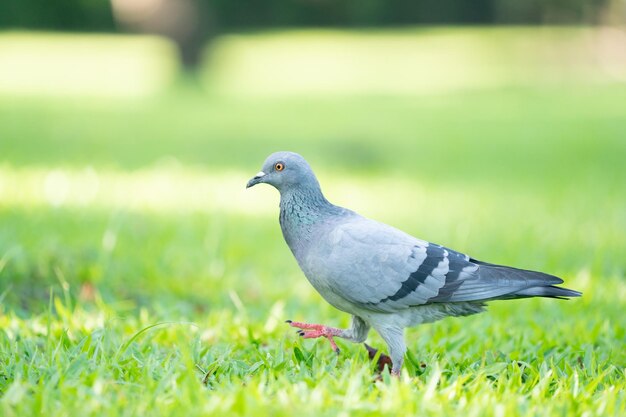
x: 285, y: 170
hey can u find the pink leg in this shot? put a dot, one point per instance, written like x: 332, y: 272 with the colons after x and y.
x: 314, y: 331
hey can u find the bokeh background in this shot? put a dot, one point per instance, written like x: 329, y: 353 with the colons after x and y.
x: 128, y: 129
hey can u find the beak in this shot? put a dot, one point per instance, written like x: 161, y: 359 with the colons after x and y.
x: 256, y: 179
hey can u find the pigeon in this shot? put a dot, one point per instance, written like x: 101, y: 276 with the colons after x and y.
x: 386, y: 279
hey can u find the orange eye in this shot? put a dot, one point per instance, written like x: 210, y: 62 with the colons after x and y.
x: 279, y: 166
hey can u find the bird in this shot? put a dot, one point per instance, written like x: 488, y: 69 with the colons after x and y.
x: 383, y: 277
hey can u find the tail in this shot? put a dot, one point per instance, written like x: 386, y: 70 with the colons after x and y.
x: 529, y: 283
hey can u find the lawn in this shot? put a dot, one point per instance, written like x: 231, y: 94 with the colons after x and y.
x: 139, y: 277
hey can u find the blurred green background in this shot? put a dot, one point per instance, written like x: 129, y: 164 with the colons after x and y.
x: 128, y: 130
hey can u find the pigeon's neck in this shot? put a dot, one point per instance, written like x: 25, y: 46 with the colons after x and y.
x: 302, y: 210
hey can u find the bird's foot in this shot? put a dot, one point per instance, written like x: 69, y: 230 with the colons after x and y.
x: 313, y: 331
x: 383, y: 360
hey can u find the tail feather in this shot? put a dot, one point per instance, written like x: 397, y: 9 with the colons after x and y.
x: 548, y: 291
x: 529, y: 283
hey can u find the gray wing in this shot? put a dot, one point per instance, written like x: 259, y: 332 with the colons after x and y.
x: 380, y: 268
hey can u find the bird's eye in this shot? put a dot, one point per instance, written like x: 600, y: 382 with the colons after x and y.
x: 279, y: 166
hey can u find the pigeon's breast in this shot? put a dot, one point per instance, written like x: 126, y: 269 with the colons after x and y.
x: 311, y: 255
x: 312, y: 258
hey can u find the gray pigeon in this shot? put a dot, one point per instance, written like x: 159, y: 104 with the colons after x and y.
x: 383, y: 277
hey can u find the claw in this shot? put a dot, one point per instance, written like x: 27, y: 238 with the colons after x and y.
x: 288, y: 321
x: 383, y: 360
x: 312, y: 331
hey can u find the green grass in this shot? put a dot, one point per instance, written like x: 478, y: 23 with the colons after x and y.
x: 138, y: 277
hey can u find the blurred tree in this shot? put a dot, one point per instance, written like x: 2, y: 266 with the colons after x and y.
x: 186, y: 22
x: 613, y: 12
